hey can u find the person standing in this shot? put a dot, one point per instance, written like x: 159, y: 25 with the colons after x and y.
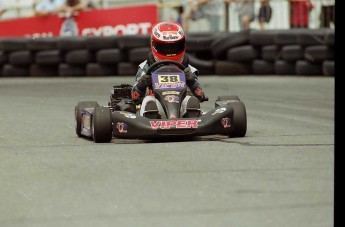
x: 2, y: 8
x: 180, y: 15
x: 327, y: 13
x: 265, y: 13
x: 245, y: 10
x: 47, y: 7
x: 212, y: 10
x: 74, y: 6
x: 299, y: 13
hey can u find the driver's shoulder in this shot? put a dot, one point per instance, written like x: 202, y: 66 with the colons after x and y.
x: 144, y: 65
x: 193, y: 69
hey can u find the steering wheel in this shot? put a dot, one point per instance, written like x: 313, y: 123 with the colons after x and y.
x: 157, y: 64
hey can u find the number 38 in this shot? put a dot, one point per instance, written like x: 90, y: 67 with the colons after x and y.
x: 165, y: 79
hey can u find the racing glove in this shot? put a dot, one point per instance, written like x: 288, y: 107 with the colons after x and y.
x: 194, y: 85
x: 189, y: 75
x: 145, y: 80
x: 199, y: 94
x: 137, y: 94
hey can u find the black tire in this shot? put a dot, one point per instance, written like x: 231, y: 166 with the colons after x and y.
x: 40, y: 44
x: 239, y: 121
x: 15, y: 71
x: 244, y: 53
x: 133, y: 41
x: 312, y: 37
x: 271, y: 52
x: 262, y: 67
x: 44, y: 70
x: 14, y: 44
x: 138, y: 55
x: 49, y: 57
x: 262, y: 37
x: 102, y: 125
x: 67, y: 70
x: 306, y: 68
x: 3, y: 57
x: 95, y: 69
x: 197, y: 43
x: 23, y: 57
x: 292, y: 53
x: 329, y: 37
x: 79, y: 57
x: 221, y: 44
x: 318, y: 53
x: 77, y: 113
x: 101, y: 42
x: 71, y: 43
x: 204, y: 67
x: 328, y: 68
x: 126, y: 68
x: 287, y: 37
x: 232, y: 68
x: 109, y: 56
x: 285, y: 67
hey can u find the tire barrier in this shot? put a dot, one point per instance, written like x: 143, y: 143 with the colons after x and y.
x: 302, y: 52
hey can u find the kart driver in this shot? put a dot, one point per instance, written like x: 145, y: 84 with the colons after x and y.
x: 166, y: 49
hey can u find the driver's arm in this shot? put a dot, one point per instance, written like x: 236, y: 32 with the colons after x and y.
x: 141, y: 82
x: 193, y: 83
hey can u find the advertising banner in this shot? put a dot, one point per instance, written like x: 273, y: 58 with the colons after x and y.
x: 129, y: 20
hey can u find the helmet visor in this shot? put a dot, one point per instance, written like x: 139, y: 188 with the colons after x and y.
x: 169, y: 48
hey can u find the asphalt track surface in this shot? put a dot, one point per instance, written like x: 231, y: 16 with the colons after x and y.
x: 280, y: 174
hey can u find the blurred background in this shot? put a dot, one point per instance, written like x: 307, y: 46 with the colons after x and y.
x: 322, y: 10
x: 111, y: 37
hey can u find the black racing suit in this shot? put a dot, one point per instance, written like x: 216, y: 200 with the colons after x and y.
x: 139, y: 90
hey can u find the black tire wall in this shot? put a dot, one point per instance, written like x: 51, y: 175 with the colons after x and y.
x: 258, y: 52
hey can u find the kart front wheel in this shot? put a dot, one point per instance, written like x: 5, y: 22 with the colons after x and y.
x: 239, y: 121
x: 77, y: 113
x: 102, y: 125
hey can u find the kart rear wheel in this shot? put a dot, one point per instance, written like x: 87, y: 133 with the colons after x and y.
x: 239, y: 121
x: 77, y: 113
x: 102, y: 125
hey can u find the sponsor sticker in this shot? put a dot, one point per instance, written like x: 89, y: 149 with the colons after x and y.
x: 178, y: 124
x: 86, y: 122
x: 171, y: 93
x: 226, y: 122
x: 172, y: 98
x: 122, y: 127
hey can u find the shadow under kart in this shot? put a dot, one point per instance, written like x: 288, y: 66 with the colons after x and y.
x: 120, y: 120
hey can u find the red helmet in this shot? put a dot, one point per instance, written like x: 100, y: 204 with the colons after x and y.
x: 168, y: 42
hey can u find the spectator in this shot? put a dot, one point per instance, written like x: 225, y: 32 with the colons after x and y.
x: 265, y: 13
x: 2, y: 8
x: 299, y: 13
x: 327, y: 13
x: 180, y: 15
x: 213, y: 10
x: 245, y: 9
x: 209, y: 9
x: 74, y: 6
x: 46, y: 7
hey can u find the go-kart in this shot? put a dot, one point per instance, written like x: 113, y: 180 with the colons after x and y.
x: 120, y: 118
